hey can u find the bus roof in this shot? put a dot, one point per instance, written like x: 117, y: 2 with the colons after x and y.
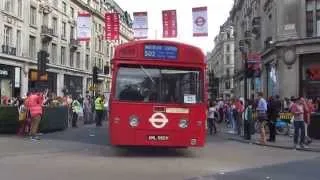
x: 159, y: 50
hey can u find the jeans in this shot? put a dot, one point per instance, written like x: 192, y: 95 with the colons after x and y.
x: 299, y: 125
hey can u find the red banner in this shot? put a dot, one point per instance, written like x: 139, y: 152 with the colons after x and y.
x: 169, y: 20
x: 112, y: 23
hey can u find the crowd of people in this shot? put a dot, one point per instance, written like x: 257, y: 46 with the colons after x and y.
x: 240, y: 114
x: 31, y: 109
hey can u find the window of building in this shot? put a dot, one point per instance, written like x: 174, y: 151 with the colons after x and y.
x: 64, y: 7
x: 33, y: 15
x: 228, y: 59
x: 54, y: 53
x: 20, y: 8
x: 32, y: 46
x: 72, y: 32
x: 72, y: 12
x: 45, y: 19
x: 312, y: 18
x: 228, y: 48
x: 7, y: 35
x: 18, y: 42
x: 8, y: 5
x: 87, y: 45
x: 71, y: 59
x: 55, y: 25
x: 87, y: 62
x: 227, y: 85
x: 100, y: 45
x: 63, y: 56
x: 63, y: 30
x: 78, y: 60
x: 228, y: 72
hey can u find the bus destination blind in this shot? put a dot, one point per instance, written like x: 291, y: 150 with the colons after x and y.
x: 160, y: 52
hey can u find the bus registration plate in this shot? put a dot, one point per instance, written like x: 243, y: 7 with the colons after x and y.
x: 158, y: 138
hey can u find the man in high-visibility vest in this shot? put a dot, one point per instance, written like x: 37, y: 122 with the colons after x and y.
x: 99, y: 107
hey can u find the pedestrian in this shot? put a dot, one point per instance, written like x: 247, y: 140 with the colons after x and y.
x: 262, y: 109
x: 297, y: 109
x: 212, y: 118
x: 76, y: 107
x: 274, y: 110
x: 248, y: 118
x: 99, y: 106
x: 22, y: 117
x: 34, y: 104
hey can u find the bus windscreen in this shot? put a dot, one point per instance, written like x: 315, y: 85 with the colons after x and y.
x: 158, y: 85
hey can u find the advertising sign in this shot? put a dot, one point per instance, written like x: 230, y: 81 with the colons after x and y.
x: 83, y: 27
x: 169, y: 21
x: 112, y: 23
x: 200, y: 21
x: 140, y: 25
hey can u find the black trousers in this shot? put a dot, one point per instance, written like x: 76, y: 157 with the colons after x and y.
x: 99, y: 116
x: 74, y: 119
x: 272, y: 129
x: 247, y: 130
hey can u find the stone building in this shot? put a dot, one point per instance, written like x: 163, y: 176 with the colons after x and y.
x: 221, y: 62
x: 27, y: 26
x: 289, y: 44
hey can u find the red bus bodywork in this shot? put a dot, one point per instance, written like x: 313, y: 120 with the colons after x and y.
x: 145, y: 134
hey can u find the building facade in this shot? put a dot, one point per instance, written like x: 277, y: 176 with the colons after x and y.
x: 221, y: 62
x: 286, y: 34
x: 245, y: 16
x: 30, y: 25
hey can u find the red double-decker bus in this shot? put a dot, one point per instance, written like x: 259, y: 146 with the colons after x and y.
x: 158, y: 95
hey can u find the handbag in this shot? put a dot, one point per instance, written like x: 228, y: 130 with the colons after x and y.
x: 22, y: 116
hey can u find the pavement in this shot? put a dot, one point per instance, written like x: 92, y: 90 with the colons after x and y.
x: 282, y: 141
x: 85, y: 153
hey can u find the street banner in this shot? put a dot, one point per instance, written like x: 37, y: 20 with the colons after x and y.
x: 83, y: 27
x: 169, y: 22
x: 200, y: 21
x: 140, y: 25
x: 112, y: 23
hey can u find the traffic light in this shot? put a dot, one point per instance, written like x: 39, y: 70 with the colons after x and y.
x: 95, y: 74
x: 42, y: 61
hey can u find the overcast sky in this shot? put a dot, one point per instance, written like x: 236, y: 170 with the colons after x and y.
x: 218, y: 11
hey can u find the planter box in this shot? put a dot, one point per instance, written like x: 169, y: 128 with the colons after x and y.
x: 54, y: 119
x: 8, y: 119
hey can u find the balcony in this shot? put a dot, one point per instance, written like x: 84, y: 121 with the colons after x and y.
x: 74, y: 44
x: 9, y: 50
x: 46, y: 33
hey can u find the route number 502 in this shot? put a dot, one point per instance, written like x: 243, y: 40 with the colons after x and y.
x: 149, y: 53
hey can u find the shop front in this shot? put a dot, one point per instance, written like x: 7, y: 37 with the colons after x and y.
x: 310, y: 76
x: 73, y: 85
x: 9, y: 82
x: 272, y: 79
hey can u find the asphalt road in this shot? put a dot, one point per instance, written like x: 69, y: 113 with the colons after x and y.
x: 84, y: 153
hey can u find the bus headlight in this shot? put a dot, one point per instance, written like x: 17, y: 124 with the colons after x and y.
x: 183, y: 123
x: 134, y: 121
